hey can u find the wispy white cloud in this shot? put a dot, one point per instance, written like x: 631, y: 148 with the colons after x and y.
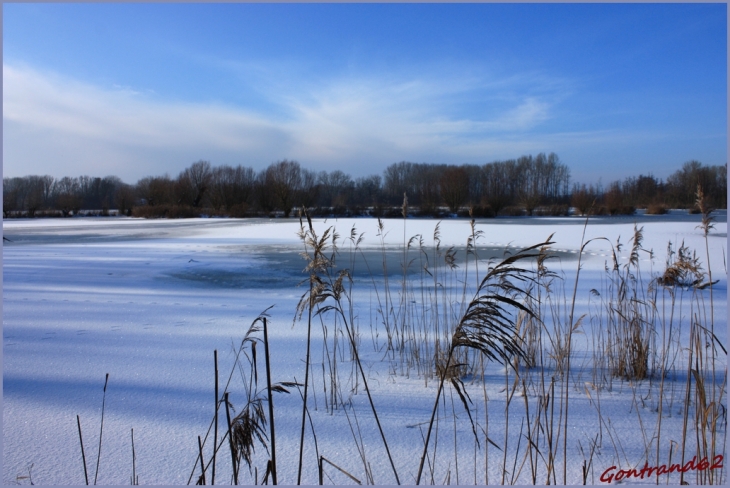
x: 405, y: 117
x: 340, y: 122
x: 124, y: 115
x: 527, y: 115
x: 57, y: 125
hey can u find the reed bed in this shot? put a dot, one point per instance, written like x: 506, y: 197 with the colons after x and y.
x: 453, y: 320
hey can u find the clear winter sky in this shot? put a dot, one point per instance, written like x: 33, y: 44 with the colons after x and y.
x: 135, y: 90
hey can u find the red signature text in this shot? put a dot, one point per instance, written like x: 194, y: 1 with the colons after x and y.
x: 611, y: 474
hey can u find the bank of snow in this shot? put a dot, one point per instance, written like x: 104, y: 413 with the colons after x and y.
x: 148, y: 301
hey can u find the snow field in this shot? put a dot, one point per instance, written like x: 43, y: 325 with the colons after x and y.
x: 149, y: 301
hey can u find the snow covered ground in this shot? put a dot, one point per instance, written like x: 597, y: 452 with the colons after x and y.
x: 148, y: 301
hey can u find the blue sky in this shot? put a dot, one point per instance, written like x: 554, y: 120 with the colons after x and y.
x: 145, y: 89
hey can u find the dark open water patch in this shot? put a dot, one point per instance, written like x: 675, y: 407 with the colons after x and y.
x: 276, y: 268
x: 243, y: 279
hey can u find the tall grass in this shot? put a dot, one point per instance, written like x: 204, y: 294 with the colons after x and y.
x: 521, y: 315
x: 649, y: 335
x: 328, y: 293
x: 487, y: 326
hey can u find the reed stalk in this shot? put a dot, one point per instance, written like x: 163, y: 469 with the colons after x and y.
x: 201, y: 480
x: 83, y: 455
x: 101, y: 428
x: 234, y: 464
x: 135, y: 478
x: 271, y: 403
x: 215, y: 424
x: 487, y: 325
x: 306, y: 377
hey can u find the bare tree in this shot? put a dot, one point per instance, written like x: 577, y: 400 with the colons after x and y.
x: 454, y: 183
x: 283, y: 181
x: 264, y: 197
x: 426, y: 178
x: 38, y: 193
x: 399, y: 178
x: 108, y: 188
x: 368, y: 191
x: 614, y: 199
x: 335, y: 189
x: 13, y: 189
x: 231, y: 186
x: 46, y: 184
x: 527, y: 181
x: 682, y: 184
x: 68, y: 195
x: 308, y: 191
x: 222, y: 187
x: 583, y: 198
x: 156, y: 190
x: 124, y: 199
x: 496, y: 185
x: 474, y: 178
x: 193, y: 183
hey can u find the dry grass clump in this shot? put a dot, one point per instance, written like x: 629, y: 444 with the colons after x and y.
x: 657, y: 209
x: 248, y: 427
x: 629, y: 316
x: 683, y: 269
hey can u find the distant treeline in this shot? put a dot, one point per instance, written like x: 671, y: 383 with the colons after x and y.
x: 528, y: 185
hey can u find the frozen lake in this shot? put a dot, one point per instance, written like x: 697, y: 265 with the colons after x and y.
x: 148, y: 301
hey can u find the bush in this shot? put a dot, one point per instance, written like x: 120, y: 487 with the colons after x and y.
x: 165, y: 211
x: 656, y: 209
x: 182, y: 212
x: 485, y: 211
x: 429, y: 211
x: 358, y: 211
x: 620, y: 210
x: 512, y: 212
x: 341, y: 211
x: 46, y: 214
x: 392, y: 212
x: 149, y: 212
x: 240, y: 210
x: 555, y: 210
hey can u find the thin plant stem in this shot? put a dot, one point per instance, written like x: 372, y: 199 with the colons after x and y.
x: 215, y: 424
x: 83, y: 455
x: 306, y: 381
x: 230, y: 439
x: 101, y: 428
x: 271, y: 403
x: 202, y: 463
x: 568, y: 352
x: 433, y: 414
x: 135, y: 481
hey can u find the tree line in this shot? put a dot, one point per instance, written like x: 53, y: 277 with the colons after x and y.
x: 655, y: 195
x: 528, y: 185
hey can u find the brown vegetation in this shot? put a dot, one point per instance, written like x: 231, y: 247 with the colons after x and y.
x: 519, y: 315
x: 524, y: 186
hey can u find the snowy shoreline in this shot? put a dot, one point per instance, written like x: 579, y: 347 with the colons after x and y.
x: 148, y: 302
